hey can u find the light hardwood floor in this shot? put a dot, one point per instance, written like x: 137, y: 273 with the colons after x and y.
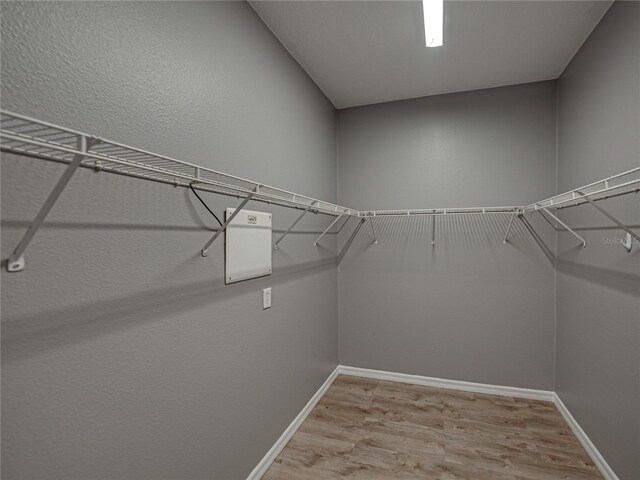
x: 372, y: 429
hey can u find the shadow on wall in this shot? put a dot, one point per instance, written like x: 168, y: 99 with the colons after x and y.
x: 613, y: 279
x: 459, y: 230
x: 203, y: 221
x: 455, y: 231
x: 403, y: 237
x: 24, y: 224
x: 548, y: 252
x: 24, y: 336
x: 473, y: 231
x: 28, y: 335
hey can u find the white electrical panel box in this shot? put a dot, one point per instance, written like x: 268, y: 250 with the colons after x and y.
x: 247, y: 245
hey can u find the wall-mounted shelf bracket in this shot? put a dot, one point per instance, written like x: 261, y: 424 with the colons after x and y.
x: 433, y: 229
x: 350, y: 240
x: 628, y: 244
x: 373, y: 231
x: 228, y: 221
x: 506, y: 235
x: 16, y: 262
x: 327, y: 229
x: 584, y: 242
x: 306, y: 210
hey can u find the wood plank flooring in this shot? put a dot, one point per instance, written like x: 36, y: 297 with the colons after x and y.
x: 371, y: 429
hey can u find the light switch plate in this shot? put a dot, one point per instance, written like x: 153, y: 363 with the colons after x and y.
x: 266, y: 298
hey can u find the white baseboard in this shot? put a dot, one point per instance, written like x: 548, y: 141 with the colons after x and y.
x: 449, y: 384
x: 598, y: 459
x: 274, y: 451
x: 516, y: 392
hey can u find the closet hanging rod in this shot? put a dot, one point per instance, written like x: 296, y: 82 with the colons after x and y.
x: 27, y: 136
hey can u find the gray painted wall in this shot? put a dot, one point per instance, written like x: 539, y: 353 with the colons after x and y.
x: 598, y: 332
x: 123, y: 353
x: 125, y: 356
x: 468, y: 308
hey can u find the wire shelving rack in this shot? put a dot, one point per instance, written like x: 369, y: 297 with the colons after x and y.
x: 34, y: 138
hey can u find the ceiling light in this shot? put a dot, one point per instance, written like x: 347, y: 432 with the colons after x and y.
x: 433, y: 20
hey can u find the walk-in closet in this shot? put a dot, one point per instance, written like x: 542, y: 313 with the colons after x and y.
x: 307, y: 240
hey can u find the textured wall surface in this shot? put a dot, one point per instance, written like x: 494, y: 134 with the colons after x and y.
x: 123, y: 353
x: 125, y: 356
x: 598, y: 333
x: 468, y: 308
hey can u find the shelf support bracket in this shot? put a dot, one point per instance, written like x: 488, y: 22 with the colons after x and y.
x: 547, y: 220
x: 348, y: 243
x: 339, y: 229
x: 16, y: 261
x: 433, y: 228
x: 584, y: 242
x: 630, y: 233
x: 328, y: 228
x: 506, y: 235
x: 375, y: 239
x: 306, y: 210
x: 224, y: 226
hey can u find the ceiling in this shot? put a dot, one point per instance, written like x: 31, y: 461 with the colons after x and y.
x: 363, y: 52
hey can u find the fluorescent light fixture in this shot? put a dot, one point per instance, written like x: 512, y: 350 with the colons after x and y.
x: 433, y: 20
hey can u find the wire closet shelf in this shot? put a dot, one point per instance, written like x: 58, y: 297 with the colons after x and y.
x: 29, y: 137
x: 35, y: 138
x: 613, y: 186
